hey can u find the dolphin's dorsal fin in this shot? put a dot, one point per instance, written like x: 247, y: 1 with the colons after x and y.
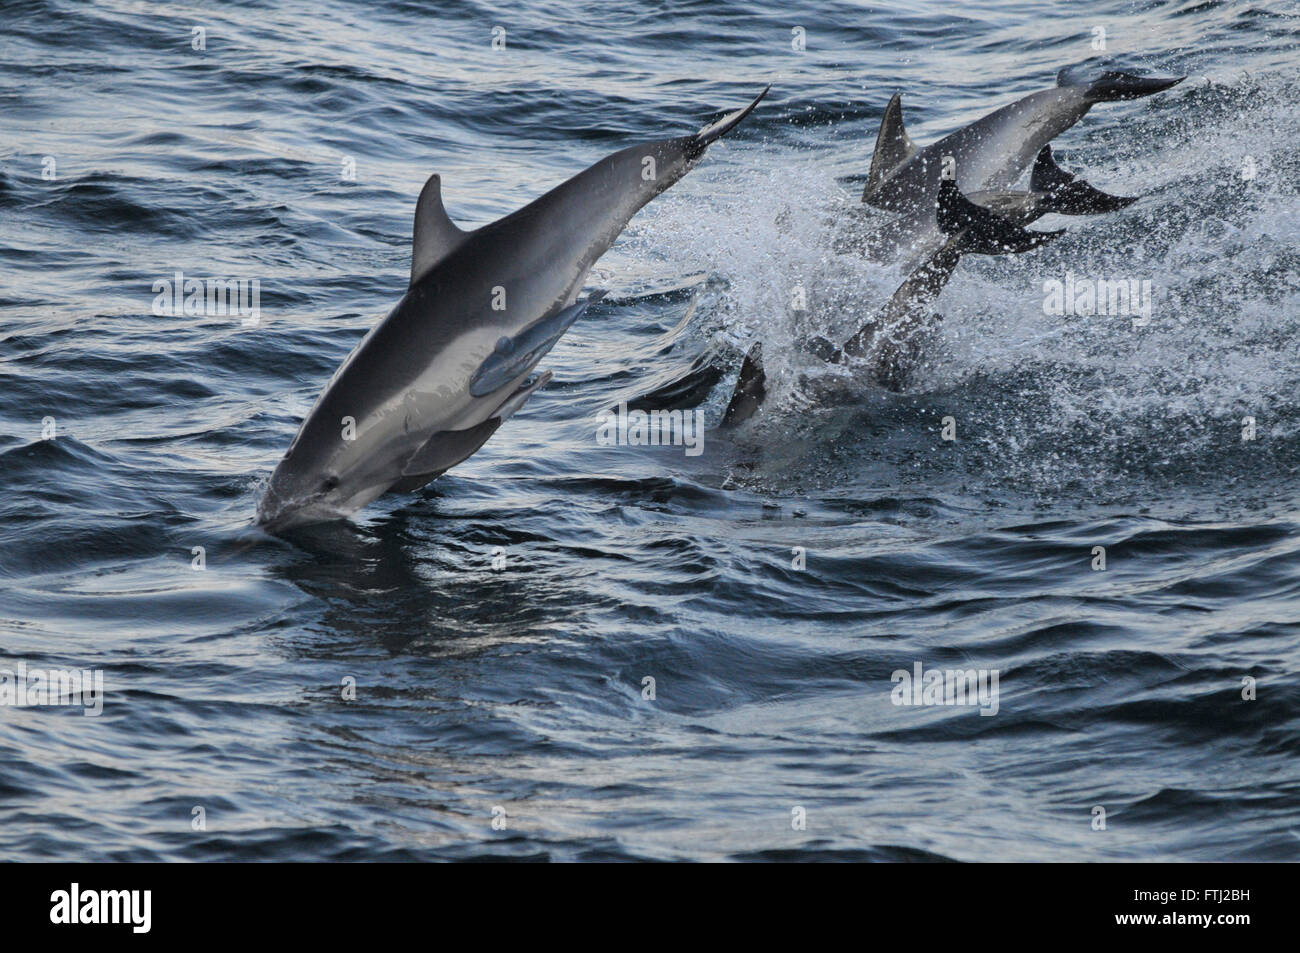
x: 435, y: 234
x: 893, y: 146
x: 750, y: 390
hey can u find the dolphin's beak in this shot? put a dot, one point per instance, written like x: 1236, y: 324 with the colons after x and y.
x: 1149, y: 86
x: 716, y: 130
x: 1115, y: 86
x: 275, y: 514
x: 282, y: 518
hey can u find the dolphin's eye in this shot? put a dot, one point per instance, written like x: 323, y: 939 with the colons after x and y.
x: 329, y: 483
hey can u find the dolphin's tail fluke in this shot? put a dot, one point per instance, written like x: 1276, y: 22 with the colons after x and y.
x: 687, y: 391
x: 716, y: 130
x: 1114, y: 85
x: 979, y: 231
x: 1068, y: 194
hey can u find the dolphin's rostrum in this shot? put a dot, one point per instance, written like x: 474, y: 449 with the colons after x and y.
x: 429, y: 384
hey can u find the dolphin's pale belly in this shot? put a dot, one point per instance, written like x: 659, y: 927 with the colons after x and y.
x: 438, y: 399
x: 403, y: 408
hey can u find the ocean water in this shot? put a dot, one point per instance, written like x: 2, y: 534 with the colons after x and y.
x: 377, y: 690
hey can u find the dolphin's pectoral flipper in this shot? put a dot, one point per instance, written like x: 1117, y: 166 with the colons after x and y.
x: 521, y: 395
x: 443, y: 451
x: 893, y: 148
x: 979, y: 230
x: 750, y: 390
x: 519, y: 354
x: 1067, y: 193
x: 435, y: 234
x: 447, y: 448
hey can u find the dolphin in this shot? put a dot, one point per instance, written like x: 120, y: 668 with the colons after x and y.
x: 954, y: 197
x: 888, y: 342
x: 455, y: 358
x: 987, y: 157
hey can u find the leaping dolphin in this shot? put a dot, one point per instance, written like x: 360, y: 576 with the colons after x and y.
x: 989, y: 156
x: 432, y: 381
x: 954, y: 197
x: 888, y: 341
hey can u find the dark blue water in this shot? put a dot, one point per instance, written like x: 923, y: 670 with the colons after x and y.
x: 520, y: 689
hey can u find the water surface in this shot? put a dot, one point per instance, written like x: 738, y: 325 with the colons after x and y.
x: 521, y: 689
